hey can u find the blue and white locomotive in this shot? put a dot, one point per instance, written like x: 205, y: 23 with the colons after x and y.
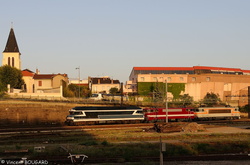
x: 83, y: 115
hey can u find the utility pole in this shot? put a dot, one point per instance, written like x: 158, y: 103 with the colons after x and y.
x: 121, y: 89
x: 79, y: 81
x: 162, y: 149
x: 166, y: 101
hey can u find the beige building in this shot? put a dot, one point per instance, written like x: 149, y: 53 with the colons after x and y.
x: 102, y: 84
x: 29, y: 86
x: 229, y: 83
x: 49, y: 83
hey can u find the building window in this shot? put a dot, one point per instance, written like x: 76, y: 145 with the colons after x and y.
x: 155, y: 79
x: 142, y: 78
x: 208, y: 79
x: 40, y: 83
x: 169, y: 79
x: 181, y: 79
x: 9, y: 61
x: 13, y: 62
x: 193, y: 79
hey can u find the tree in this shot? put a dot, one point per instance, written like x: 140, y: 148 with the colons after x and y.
x: 211, y: 99
x: 10, y: 75
x: 73, y: 91
x: 186, y: 99
x: 113, y: 91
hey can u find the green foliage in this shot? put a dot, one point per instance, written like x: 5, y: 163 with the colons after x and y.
x: 10, y: 75
x: 146, y: 88
x: 211, y: 99
x: 3, y: 87
x: 72, y: 90
x: 68, y: 93
x: 245, y: 108
x: 113, y: 91
x: 175, y: 89
x: 186, y: 99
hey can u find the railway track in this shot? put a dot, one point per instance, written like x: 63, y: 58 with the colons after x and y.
x: 34, y: 129
x: 225, y: 122
x: 41, y: 129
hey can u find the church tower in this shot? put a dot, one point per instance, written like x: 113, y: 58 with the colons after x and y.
x: 11, y: 54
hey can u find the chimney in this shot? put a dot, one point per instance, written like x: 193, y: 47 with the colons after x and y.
x: 37, y: 71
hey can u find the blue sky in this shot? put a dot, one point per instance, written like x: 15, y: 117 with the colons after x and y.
x: 110, y: 37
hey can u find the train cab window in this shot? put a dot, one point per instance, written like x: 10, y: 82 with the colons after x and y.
x: 77, y: 113
x: 199, y: 110
x: 139, y: 111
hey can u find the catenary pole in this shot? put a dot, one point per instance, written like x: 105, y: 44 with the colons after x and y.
x: 166, y: 101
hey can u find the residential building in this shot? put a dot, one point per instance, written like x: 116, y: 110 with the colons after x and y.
x: 102, y: 84
x: 79, y: 82
x: 49, y: 83
x: 29, y: 86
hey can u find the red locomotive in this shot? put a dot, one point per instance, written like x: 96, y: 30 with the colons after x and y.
x: 176, y: 114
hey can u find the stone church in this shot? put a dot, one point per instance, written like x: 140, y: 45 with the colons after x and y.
x: 36, y: 84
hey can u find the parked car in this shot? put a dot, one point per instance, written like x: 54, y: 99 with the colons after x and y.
x: 96, y: 96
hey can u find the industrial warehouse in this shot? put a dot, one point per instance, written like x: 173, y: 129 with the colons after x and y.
x: 231, y: 84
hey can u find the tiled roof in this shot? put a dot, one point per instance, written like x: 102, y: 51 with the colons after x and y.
x: 47, y: 76
x: 27, y: 72
x: 163, y: 68
x: 218, y: 68
x: 44, y: 76
x: 192, y: 68
x: 104, y: 81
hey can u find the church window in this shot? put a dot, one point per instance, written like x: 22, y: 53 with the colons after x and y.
x: 9, y: 61
x: 13, y: 62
